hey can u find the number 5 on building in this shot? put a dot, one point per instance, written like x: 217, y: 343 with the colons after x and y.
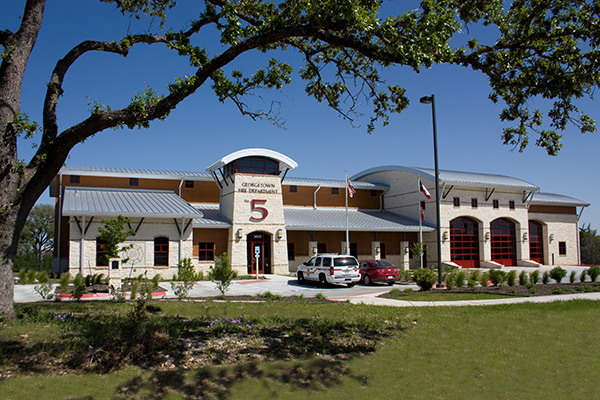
x: 255, y: 207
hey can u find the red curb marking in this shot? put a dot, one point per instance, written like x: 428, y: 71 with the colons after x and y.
x: 99, y: 295
x: 251, y: 281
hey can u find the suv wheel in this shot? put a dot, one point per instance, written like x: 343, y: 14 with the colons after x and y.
x: 322, y: 280
x: 301, y: 278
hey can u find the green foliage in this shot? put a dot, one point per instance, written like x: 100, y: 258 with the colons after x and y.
x: 590, y: 246
x: 187, y: 276
x: 268, y: 296
x: 593, y: 273
x: 418, y: 249
x: 511, y: 277
x: 425, y: 278
x: 450, y: 280
x: 558, y: 273
x: 534, y: 276
x: 78, y: 287
x: 485, y: 277
x: 31, y: 275
x: 461, y: 275
x: 475, y: 275
x: 222, y: 274
x: 65, y: 278
x: 583, y: 275
x: 44, y: 289
x: 113, y: 234
x: 37, y: 239
x: 320, y: 296
x: 546, y: 277
x: 21, y: 125
x: 140, y: 106
x: 573, y: 276
x: 23, y: 276
x: 523, y: 278
x: 497, y: 276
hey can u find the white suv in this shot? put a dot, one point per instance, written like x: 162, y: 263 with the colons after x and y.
x: 330, y: 268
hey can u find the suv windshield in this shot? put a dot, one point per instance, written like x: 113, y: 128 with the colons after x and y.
x: 343, y: 261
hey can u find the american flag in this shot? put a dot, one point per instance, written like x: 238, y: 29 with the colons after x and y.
x: 351, y: 189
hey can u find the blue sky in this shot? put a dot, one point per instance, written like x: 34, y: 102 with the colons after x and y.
x: 201, y: 130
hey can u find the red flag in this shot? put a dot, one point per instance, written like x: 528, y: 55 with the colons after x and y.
x: 422, y: 214
x: 351, y: 189
x: 424, y: 190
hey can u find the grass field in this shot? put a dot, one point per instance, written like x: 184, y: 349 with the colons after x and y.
x: 524, y: 351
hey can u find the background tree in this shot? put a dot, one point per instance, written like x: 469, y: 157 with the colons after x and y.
x: 544, y: 49
x: 590, y: 246
x: 37, y: 239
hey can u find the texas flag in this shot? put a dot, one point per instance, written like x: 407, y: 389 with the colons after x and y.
x: 424, y: 190
x: 351, y: 189
x: 422, y: 214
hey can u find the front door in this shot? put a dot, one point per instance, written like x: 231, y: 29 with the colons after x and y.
x: 259, y: 253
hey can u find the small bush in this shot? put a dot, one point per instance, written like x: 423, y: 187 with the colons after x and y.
x: 523, y: 278
x: 44, y: 289
x: 497, y: 276
x: 460, y: 278
x: 485, y: 277
x: 424, y: 278
x: 546, y: 277
x: 475, y: 275
x: 408, y: 291
x: 222, y: 274
x: 557, y: 291
x: 65, y: 278
x: 88, y: 280
x: 320, y: 296
x: 531, y: 288
x: 42, y: 277
x: 22, y: 276
x: 186, y: 276
x: 583, y: 275
x: 450, y: 280
x: 573, y: 277
x: 395, y: 292
x: 268, y: 296
x: 511, y: 277
x: 472, y: 283
x: 593, y: 272
x: 534, y: 277
x: 78, y: 287
x: 558, y: 273
x: 31, y: 274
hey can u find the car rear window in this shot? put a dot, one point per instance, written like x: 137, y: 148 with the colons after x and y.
x: 343, y: 261
x: 382, y: 264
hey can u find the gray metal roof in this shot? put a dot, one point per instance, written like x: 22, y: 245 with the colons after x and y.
x: 334, y: 183
x: 136, y: 173
x: 211, y: 218
x: 126, y: 202
x: 552, y: 199
x: 469, y: 179
x: 334, y: 219
x: 285, y: 162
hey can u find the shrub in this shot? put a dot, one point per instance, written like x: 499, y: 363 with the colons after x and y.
x: 511, y: 277
x: 78, y: 287
x: 475, y: 275
x: 523, y: 278
x: 558, y: 273
x: 222, y: 274
x: 483, y: 280
x: 460, y: 278
x: 320, y: 296
x: 531, y: 288
x: 557, y: 290
x: 450, y: 280
x: 593, y: 272
x: 546, y: 277
x: 583, y: 275
x: 22, y: 276
x: 65, y: 278
x: 88, y: 280
x: 424, y: 278
x: 573, y: 277
x: 186, y: 275
x: 42, y: 277
x: 31, y: 276
x: 472, y: 283
x: 497, y: 276
x: 408, y: 291
x: 268, y: 296
x: 534, y: 277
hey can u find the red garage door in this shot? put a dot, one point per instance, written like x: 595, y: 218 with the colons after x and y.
x: 536, y: 245
x: 464, y: 242
x: 504, y: 249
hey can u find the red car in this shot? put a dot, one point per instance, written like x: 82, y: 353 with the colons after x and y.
x: 378, y: 271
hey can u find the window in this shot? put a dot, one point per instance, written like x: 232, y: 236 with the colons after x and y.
x: 562, y: 248
x: 335, y: 191
x: 101, y: 253
x: 321, y: 248
x: 473, y: 203
x: 74, y: 179
x: 189, y: 184
x: 293, y: 189
x: 291, y: 252
x: 382, y: 250
x: 252, y: 165
x: 495, y: 204
x: 161, y: 251
x: 134, y: 182
x: 456, y: 201
x: 206, y: 251
x: 354, y: 249
x: 511, y: 204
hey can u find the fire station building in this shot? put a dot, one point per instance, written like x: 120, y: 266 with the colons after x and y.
x: 247, y: 206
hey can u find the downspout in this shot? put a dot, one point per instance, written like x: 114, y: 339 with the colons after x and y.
x: 578, y: 238
x: 181, y: 237
x: 315, y: 198
x: 180, y: 184
x: 381, y: 200
x: 58, y: 270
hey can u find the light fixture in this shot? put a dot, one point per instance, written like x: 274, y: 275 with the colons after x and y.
x: 238, y: 234
x: 377, y: 250
x: 551, y: 236
x: 525, y: 236
x: 279, y: 234
x: 406, y: 250
x: 445, y: 236
x: 487, y: 236
x: 314, y: 251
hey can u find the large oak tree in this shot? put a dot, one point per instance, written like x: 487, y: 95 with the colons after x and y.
x: 545, y: 49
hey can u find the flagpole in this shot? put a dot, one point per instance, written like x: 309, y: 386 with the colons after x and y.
x: 420, y: 225
x: 347, y: 233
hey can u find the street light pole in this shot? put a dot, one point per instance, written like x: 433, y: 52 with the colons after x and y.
x: 431, y: 100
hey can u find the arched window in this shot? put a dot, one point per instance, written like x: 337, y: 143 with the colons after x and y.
x: 161, y: 251
x: 253, y: 165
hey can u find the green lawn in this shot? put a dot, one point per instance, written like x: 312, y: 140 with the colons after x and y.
x: 524, y: 351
